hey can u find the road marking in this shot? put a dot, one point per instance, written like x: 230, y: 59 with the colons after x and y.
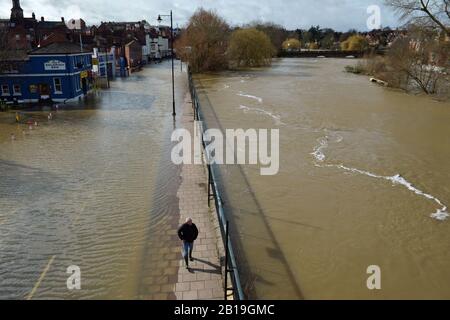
x: 38, y: 283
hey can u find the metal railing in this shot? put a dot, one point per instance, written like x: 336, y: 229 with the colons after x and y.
x: 231, y: 268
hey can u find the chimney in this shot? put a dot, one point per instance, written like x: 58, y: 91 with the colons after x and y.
x: 62, y: 19
x: 33, y: 16
x: 42, y: 19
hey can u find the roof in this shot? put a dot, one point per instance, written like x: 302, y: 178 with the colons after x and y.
x: 50, y: 24
x: 59, y: 48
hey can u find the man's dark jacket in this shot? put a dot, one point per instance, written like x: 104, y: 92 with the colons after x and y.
x: 188, y: 233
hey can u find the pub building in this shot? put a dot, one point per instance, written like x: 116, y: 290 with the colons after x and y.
x: 58, y: 72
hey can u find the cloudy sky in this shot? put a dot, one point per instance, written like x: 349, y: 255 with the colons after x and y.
x: 338, y: 14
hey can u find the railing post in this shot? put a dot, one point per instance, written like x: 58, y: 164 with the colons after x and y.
x: 209, y: 185
x: 195, y: 109
x: 226, y: 261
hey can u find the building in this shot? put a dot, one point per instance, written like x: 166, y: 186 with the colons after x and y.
x: 104, y: 62
x: 20, y: 30
x: 26, y: 33
x: 133, y: 55
x: 76, y: 24
x: 51, y: 31
x: 57, y: 72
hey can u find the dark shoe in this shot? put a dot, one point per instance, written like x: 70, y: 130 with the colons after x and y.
x: 192, y: 259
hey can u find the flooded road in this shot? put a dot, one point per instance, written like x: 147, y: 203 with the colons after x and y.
x: 87, y: 188
x: 364, y: 180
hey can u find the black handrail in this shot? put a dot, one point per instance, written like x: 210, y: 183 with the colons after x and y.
x: 214, y: 193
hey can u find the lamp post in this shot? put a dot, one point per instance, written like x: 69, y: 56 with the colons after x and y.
x: 171, y: 48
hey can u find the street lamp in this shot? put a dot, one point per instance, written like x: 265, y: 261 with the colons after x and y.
x: 171, y: 47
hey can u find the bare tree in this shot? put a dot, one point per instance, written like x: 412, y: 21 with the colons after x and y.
x: 206, y: 36
x: 428, y: 12
x: 418, y: 61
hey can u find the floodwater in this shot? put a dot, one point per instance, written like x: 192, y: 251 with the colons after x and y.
x: 364, y: 180
x: 87, y: 188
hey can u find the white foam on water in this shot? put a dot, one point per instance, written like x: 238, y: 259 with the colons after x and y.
x: 318, y: 153
x: 225, y: 87
x: 441, y: 213
x: 275, y: 117
x: 260, y: 100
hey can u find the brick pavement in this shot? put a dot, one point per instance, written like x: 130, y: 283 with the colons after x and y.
x: 204, y: 279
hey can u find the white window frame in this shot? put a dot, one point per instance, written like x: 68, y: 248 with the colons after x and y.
x: 14, y: 90
x: 5, y: 92
x: 55, y: 85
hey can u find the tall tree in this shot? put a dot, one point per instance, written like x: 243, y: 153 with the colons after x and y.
x: 276, y: 33
x: 428, y: 12
x: 206, y: 37
x: 250, y: 48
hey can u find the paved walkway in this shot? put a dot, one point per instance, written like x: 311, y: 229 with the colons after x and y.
x: 204, y: 279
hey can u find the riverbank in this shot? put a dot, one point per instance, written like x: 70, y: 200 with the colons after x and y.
x: 322, y: 54
x: 415, y: 79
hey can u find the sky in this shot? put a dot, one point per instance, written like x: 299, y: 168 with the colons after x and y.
x: 340, y: 15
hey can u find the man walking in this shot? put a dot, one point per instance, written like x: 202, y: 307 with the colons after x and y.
x: 188, y: 233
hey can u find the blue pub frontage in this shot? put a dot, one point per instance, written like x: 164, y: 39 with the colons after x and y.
x: 58, y: 72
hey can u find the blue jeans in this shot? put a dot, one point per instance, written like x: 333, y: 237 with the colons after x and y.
x: 188, y: 247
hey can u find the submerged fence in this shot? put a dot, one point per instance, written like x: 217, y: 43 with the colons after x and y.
x: 231, y: 268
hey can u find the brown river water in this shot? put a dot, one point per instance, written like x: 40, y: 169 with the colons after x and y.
x: 88, y: 188
x: 364, y: 180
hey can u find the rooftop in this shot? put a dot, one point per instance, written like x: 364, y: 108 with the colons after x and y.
x: 59, y: 48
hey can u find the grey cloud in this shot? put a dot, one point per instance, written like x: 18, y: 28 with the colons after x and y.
x: 340, y: 15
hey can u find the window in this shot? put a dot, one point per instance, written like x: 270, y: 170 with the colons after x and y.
x: 5, y: 90
x: 17, y: 90
x: 57, y: 85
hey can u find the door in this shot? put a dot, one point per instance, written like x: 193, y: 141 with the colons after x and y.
x: 44, y: 91
x: 84, y: 85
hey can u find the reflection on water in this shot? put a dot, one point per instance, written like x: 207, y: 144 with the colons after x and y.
x: 86, y: 188
x: 363, y: 181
